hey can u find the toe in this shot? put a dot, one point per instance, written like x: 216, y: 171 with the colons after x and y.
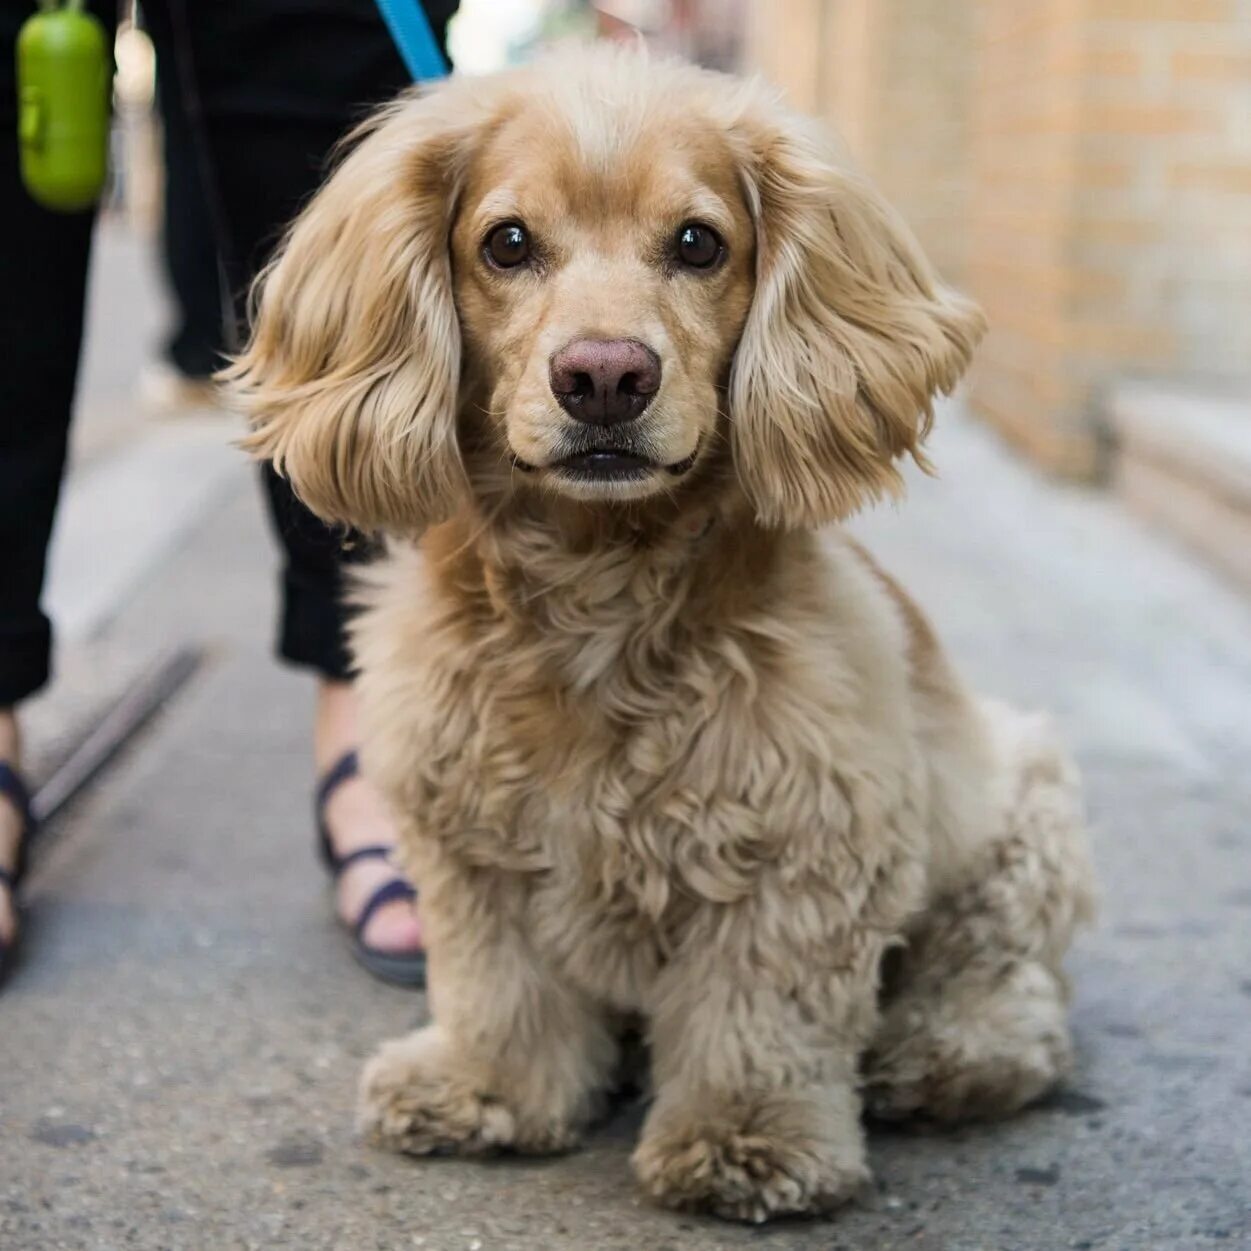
x: 394, y: 929
x: 8, y: 917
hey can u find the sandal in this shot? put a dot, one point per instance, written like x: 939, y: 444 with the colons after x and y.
x: 14, y: 790
x: 408, y: 969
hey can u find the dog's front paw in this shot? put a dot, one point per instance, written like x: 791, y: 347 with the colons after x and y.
x: 752, y: 1170
x: 416, y: 1097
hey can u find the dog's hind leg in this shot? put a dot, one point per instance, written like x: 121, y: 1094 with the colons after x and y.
x: 974, y: 1019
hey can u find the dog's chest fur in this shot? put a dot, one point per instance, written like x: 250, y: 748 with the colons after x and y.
x: 639, y: 737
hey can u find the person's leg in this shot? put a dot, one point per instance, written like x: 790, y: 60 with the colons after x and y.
x: 194, y: 345
x: 275, y: 87
x: 43, y: 270
x: 10, y: 829
x: 311, y: 634
x: 188, y: 242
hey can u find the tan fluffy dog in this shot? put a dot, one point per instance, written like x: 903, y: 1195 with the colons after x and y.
x: 614, y: 337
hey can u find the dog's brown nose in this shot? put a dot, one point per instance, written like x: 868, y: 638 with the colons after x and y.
x: 605, y: 381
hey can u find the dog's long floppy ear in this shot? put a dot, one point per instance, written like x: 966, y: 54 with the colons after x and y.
x: 848, y: 339
x: 351, y: 376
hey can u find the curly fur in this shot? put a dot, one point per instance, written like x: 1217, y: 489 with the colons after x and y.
x: 665, y: 752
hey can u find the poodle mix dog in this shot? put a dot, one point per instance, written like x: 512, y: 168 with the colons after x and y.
x: 599, y: 344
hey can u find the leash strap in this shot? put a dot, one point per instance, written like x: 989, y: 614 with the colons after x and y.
x: 410, y: 29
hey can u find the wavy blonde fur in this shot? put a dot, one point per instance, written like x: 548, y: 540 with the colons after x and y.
x: 351, y: 377
x: 849, y: 338
x: 672, y: 759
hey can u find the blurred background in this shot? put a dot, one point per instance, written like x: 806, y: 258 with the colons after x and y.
x: 1082, y: 167
x: 182, y: 1042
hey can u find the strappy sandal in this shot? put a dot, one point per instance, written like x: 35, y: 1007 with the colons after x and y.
x: 14, y: 790
x: 408, y: 969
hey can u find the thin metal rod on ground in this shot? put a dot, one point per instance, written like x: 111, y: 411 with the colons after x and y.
x: 111, y: 733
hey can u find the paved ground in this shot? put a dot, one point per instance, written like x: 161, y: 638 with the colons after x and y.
x: 178, y: 1053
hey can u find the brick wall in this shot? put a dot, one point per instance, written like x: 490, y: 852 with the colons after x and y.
x: 1026, y: 157
x: 918, y: 130
x: 1112, y: 217
x: 1083, y: 166
x: 891, y: 76
x: 1169, y: 108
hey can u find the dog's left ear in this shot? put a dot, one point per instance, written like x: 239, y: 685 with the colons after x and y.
x: 848, y: 339
x: 351, y: 377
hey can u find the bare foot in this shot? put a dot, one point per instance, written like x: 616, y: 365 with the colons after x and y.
x: 10, y: 824
x: 357, y: 817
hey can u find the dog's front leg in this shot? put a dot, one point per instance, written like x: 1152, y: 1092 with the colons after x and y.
x: 514, y: 1059
x: 756, y: 1031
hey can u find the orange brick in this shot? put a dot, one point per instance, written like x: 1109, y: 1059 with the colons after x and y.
x: 1122, y: 341
x: 1057, y: 390
x: 1213, y: 176
x: 1162, y: 10
x: 1113, y: 62
x: 1117, y: 230
x: 1105, y: 175
x: 1033, y: 222
x: 1031, y: 24
x: 1109, y: 118
x: 1095, y: 284
x: 1211, y: 66
x: 1050, y: 281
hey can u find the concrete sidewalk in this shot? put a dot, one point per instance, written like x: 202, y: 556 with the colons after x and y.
x: 178, y: 1053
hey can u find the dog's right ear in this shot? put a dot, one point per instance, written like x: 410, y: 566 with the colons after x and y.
x: 850, y: 334
x: 351, y: 376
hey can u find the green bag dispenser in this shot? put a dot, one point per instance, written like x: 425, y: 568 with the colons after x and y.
x: 64, y: 73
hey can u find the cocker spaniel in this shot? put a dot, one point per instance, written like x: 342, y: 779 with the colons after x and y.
x: 599, y: 343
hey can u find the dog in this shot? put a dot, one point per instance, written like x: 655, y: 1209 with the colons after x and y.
x: 599, y: 344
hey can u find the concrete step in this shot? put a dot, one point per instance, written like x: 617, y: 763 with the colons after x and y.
x: 1184, y: 462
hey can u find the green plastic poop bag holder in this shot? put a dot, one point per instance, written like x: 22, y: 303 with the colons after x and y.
x: 63, y: 78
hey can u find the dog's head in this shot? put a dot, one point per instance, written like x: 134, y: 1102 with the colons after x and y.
x: 595, y: 271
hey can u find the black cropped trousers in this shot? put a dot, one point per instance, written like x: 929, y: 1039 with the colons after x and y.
x: 269, y: 87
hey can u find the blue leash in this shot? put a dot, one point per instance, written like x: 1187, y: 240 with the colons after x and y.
x: 410, y: 28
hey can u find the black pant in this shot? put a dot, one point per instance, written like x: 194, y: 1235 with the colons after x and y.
x: 195, y: 343
x: 269, y: 86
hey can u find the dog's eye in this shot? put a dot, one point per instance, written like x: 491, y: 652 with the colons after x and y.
x: 508, y: 246
x: 699, y: 246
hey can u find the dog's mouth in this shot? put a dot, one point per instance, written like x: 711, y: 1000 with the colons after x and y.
x: 604, y: 465
x: 610, y: 464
